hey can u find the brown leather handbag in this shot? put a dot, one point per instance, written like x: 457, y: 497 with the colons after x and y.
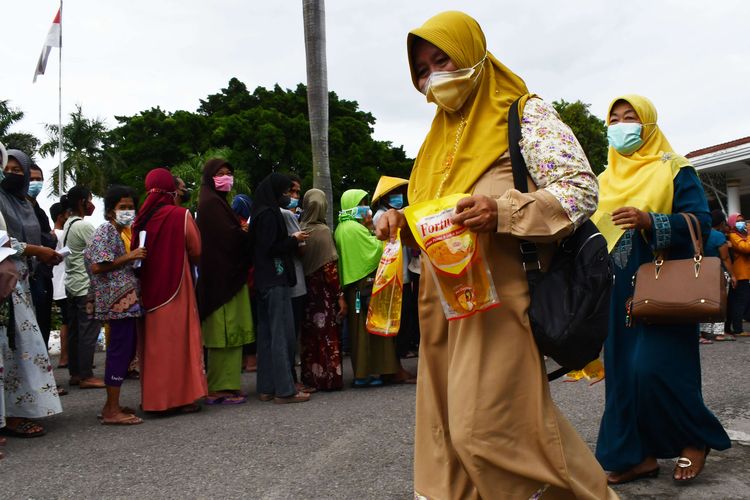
x: 681, y: 291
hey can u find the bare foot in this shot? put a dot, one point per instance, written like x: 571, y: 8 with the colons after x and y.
x: 690, y: 463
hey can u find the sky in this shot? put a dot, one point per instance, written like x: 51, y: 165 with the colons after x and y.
x: 691, y: 58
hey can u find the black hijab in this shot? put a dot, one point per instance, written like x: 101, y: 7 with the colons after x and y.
x: 18, y: 211
x: 225, y: 247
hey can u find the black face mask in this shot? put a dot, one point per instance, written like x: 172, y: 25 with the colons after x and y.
x: 185, y: 196
x: 13, y: 183
x: 284, y: 201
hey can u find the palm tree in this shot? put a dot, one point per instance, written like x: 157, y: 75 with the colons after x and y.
x: 317, y: 96
x: 83, y: 144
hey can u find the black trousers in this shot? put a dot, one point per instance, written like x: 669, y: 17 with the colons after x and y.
x: 738, y: 305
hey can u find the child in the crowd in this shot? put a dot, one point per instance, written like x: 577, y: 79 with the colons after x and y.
x: 117, y: 297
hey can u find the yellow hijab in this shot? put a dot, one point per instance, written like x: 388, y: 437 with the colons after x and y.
x: 644, y: 180
x: 485, y: 135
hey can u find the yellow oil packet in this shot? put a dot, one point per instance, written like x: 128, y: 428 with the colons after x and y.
x: 455, y: 258
x: 384, y: 312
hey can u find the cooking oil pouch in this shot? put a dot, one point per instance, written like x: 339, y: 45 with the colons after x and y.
x: 384, y: 313
x: 455, y: 258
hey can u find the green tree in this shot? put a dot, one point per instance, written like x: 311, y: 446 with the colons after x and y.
x: 15, y: 140
x: 263, y: 131
x: 84, y: 148
x: 590, y: 131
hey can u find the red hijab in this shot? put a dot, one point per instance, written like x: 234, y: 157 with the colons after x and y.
x: 164, y: 223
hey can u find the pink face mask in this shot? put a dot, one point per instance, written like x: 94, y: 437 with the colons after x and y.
x: 223, y: 183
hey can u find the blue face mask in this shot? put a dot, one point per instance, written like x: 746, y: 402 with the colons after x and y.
x: 396, y: 201
x: 741, y: 225
x: 293, y: 203
x: 625, y: 138
x: 362, y: 211
x: 35, y: 187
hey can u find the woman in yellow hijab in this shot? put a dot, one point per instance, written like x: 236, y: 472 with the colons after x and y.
x: 486, y: 425
x: 654, y: 407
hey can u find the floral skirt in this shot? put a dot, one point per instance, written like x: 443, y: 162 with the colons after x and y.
x: 27, y: 383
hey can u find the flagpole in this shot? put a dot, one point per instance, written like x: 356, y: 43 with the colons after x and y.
x: 60, y: 172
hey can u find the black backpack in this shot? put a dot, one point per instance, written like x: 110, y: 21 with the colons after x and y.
x: 569, y: 310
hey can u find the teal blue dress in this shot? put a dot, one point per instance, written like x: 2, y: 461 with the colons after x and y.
x: 654, y: 404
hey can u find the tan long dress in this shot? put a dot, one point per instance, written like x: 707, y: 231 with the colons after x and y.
x: 486, y: 424
x: 170, y: 345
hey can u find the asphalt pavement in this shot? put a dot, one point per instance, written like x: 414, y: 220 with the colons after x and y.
x: 356, y: 443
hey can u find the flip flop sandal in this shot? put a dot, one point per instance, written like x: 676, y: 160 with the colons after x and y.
x: 265, y: 397
x: 123, y: 409
x: 130, y: 419
x: 631, y: 476
x: 300, y: 397
x: 61, y: 391
x: 23, y: 430
x: 3, y: 441
x: 234, y: 400
x: 684, y: 463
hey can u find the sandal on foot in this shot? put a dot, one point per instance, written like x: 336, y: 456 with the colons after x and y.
x: 361, y: 382
x: 305, y: 388
x: 300, y: 397
x: 24, y: 430
x: 725, y: 337
x: 265, y: 397
x: 123, y: 419
x: 123, y: 409
x: 685, y: 463
x: 61, y: 391
x: 3, y: 441
x: 631, y: 475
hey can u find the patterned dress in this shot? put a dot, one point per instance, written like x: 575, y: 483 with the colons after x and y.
x: 116, y: 292
x: 321, y: 349
x: 27, y: 383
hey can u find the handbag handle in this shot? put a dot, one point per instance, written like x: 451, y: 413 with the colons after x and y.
x: 695, y: 236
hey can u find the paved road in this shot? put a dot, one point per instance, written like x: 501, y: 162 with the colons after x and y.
x: 350, y: 444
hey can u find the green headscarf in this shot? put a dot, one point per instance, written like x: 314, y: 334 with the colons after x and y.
x: 359, y: 251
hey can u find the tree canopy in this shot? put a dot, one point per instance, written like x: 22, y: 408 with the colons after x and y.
x: 259, y: 132
x: 590, y: 130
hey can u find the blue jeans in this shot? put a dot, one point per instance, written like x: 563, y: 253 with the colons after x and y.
x: 276, y: 342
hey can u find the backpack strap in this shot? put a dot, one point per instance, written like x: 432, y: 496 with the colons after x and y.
x: 529, y: 252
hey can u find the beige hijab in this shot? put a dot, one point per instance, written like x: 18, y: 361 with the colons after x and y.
x: 320, y: 248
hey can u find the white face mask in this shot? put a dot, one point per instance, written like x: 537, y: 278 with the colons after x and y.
x: 450, y: 89
x: 124, y: 217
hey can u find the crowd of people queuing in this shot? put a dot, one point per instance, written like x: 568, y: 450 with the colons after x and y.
x: 263, y: 280
x: 188, y: 303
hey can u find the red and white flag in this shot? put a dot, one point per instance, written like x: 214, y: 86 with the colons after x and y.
x: 54, y: 39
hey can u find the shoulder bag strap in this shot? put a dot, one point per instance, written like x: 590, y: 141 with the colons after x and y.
x: 65, y: 240
x: 529, y: 251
